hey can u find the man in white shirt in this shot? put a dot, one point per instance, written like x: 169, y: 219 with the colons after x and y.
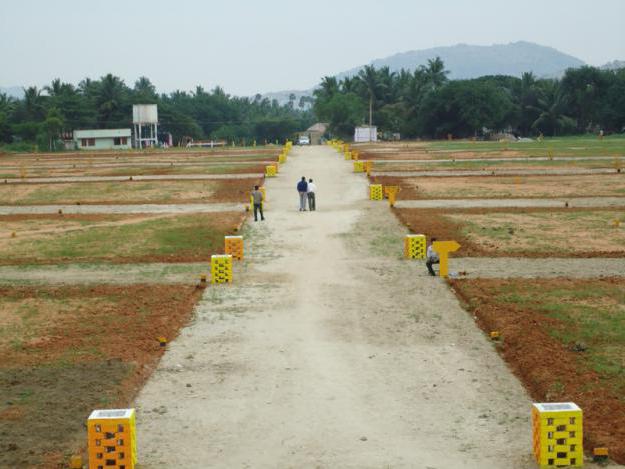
x: 431, y: 257
x: 311, y: 195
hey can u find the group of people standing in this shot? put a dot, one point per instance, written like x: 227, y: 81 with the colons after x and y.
x: 306, y: 192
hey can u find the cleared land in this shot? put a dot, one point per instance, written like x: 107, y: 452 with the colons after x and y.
x: 524, y: 232
x: 507, y: 187
x: 115, y: 238
x: 496, y: 163
x: 92, y: 341
x: 129, y: 169
x: 325, y: 328
x: 565, y: 339
x: 462, y: 149
x: 67, y: 350
x: 128, y: 192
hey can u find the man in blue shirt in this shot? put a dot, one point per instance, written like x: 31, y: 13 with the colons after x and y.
x: 302, y: 188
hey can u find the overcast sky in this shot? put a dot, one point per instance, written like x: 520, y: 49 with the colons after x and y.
x: 249, y: 46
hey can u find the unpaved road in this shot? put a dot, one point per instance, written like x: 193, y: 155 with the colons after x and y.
x: 188, y: 273
x: 496, y: 172
x: 512, y: 159
x: 329, y: 351
x: 115, y: 274
x: 573, y: 202
x: 505, y: 267
x: 121, y: 208
x: 154, y: 177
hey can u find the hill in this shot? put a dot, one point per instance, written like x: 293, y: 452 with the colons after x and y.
x: 468, y: 61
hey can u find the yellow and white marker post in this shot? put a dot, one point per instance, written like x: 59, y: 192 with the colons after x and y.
x: 112, y: 438
x: 557, y: 434
x: 233, y: 245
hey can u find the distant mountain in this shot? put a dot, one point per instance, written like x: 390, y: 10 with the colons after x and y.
x: 13, y: 91
x: 466, y: 61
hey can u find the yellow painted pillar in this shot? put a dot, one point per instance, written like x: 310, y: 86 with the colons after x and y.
x: 112, y: 438
x: 233, y: 245
x: 375, y: 192
x: 415, y: 246
x: 558, y: 434
x: 443, y: 248
x: 221, y: 268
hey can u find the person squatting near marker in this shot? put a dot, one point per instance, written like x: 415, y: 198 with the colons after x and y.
x: 431, y: 258
x: 312, y: 205
x: 257, y: 197
x: 302, y: 189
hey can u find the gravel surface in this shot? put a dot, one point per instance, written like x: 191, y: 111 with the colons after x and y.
x: 163, y: 177
x: 139, y: 208
x: 496, y: 172
x: 123, y: 274
x: 574, y: 202
x: 486, y: 160
x: 482, y: 267
x: 137, y: 164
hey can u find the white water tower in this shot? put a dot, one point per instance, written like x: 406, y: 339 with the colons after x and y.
x: 145, y: 124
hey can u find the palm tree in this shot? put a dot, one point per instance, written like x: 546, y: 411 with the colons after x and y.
x: 528, y: 101
x: 369, y: 80
x: 436, y: 72
x: 7, y: 103
x: 110, y: 97
x: 144, y: 91
x: 552, y: 104
x: 328, y: 87
x: 33, y: 103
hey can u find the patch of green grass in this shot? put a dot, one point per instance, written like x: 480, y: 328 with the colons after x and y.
x: 587, y: 145
x: 194, y: 237
x: 592, y: 313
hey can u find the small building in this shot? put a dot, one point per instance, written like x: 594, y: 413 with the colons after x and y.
x: 365, y: 133
x: 103, y: 139
x: 315, y: 132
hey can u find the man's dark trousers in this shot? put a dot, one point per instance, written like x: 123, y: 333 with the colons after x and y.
x: 258, y: 208
x: 429, y: 266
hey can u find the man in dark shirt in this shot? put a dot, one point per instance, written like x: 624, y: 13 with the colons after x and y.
x: 302, y: 189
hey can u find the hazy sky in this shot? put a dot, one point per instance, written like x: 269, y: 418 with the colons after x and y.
x: 258, y: 46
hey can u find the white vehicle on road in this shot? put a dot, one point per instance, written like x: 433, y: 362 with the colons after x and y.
x: 303, y: 140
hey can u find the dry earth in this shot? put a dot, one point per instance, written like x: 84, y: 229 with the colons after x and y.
x: 331, y: 351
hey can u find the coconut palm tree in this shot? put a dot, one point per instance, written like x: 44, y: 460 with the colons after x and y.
x: 369, y: 81
x: 110, y: 98
x: 552, y: 104
x: 33, y: 103
x: 436, y: 73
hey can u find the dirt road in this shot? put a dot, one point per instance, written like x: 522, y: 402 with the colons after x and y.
x: 330, y: 351
x: 496, y: 172
x: 121, y: 208
x: 573, y: 202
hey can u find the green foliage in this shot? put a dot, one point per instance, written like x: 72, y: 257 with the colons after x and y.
x: 107, y: 103
x: 424, y: 103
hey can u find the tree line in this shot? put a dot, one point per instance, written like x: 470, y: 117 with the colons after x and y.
x: 43, y: 115
x: 425, y: 103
